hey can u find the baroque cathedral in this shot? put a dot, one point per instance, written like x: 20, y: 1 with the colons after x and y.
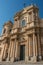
x: 23, y: 40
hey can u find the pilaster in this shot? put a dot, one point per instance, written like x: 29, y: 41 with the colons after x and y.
x: 17, y: 50
x: 34, y: 49
x: 27, y: 49
x: 39, y: 47
x: 9, y: 51
x: 5, y: 50
x: 12, y: 55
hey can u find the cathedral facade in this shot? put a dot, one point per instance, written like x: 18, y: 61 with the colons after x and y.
x: 23, y: 40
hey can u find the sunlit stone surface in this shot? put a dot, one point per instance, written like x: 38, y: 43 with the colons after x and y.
x: 23, y: 40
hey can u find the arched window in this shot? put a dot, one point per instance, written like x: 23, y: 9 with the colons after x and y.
x: 23, y: 23
x: 4, y: 31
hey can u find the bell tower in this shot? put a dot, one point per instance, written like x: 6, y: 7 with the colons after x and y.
x: 7, y: 27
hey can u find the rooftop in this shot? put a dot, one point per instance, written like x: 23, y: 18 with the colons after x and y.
x: 26, y: 8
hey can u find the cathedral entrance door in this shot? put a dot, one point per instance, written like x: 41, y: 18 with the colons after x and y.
x: 22, y: 52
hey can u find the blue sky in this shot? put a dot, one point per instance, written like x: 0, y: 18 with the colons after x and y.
x: 8, y: 8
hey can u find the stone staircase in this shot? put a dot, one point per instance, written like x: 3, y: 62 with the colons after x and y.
x: 21, y: 63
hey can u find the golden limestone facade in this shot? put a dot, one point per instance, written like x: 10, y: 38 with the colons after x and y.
x: 23, y: 40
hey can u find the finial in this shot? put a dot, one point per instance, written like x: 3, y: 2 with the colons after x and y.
x: 24, y: 4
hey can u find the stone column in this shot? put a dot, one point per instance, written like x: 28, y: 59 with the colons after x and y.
x: 9, y: 52
x: 36, y: 46
x: 17, y: 51
x: 5, y: 51
x: 39, y: 47
x: 1, y: 56
x: 27, y: 49
x: 34, y: 49
x: 12, y: 52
